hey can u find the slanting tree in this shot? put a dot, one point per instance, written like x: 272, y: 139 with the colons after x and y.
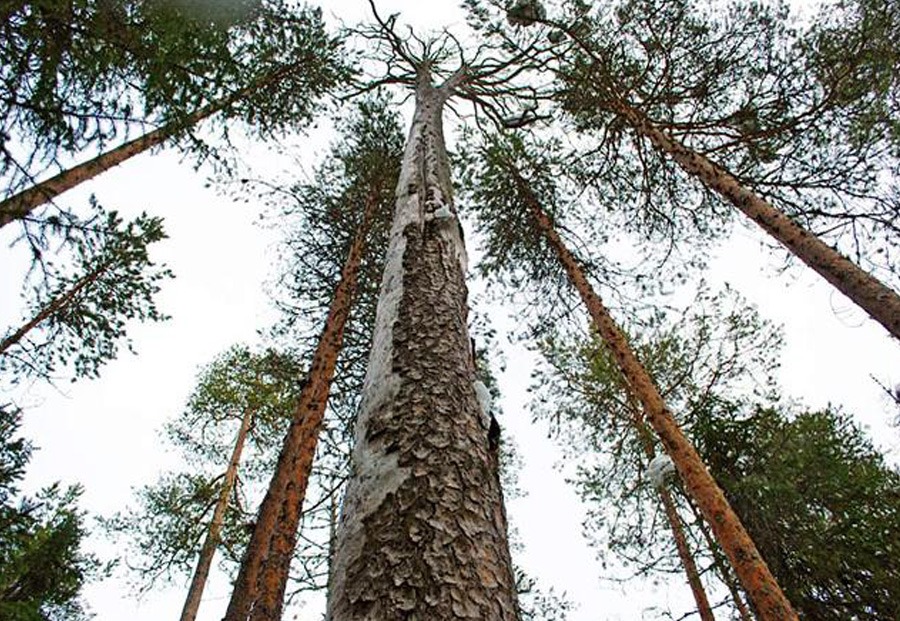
x: 42, y: 565
x: 504, y: 182
x: 353, y: 195
x: 241, y: 404
x: 264, y: 63
x: 714, y: 348
x: 79, y: 313
x: 722, y: 97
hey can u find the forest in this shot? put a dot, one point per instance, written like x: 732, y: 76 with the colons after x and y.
x: 520, y: 310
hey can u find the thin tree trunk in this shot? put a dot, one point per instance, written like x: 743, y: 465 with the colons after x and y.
x: 56, y: 305
x: 869, y: 293
x: 262, y: 579
x: 20, y: 205
x: 731, y: 534
x: 723, y: 568
x: 214, y: 532
x: 684, y: 551
x: 422, y: 532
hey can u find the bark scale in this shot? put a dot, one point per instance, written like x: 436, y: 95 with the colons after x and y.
x: 213, y: 534
x: 423, y: 530
x: 258, y: 592
x: 54, y: 306
x: 20, y: 205
x: 749, y: 565
x: 877, y: 299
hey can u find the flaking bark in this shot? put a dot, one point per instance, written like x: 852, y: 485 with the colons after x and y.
x: 755, y: 576
x: 258, y: 592
x: 866, y: 291
x: 423, y: 530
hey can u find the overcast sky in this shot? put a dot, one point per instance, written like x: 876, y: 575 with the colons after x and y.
x: 104, y: 433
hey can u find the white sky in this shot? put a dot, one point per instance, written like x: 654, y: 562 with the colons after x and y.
x: 103, y: 433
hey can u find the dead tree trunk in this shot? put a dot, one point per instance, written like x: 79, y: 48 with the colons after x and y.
x: 214, y: 532
x: 423, y: 531
x: 869, y: 293
x: 749, y: 565
x: 20, y: 205
x: 259, y: 589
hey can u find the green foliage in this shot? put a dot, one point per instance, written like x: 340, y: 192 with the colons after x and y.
x: 42, y: 566
x: 498, y: 175
x: 795, y: 481
x: 78, y: 72
x: 699, y: 357
x: 852, y: 49
x: 165, y: 530
x: 743, y: 87
x: 80, y: 304
x: 319, y: 220
x: 820, y: 503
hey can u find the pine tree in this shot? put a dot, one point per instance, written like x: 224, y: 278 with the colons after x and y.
x: 714, y: 348
x: 42, y: 564
x: 665, y: 72
x: 81, y: 313
x: 505, y: 185
x: 365, y: 158
x: 240, y: 405
x: 263, y: 63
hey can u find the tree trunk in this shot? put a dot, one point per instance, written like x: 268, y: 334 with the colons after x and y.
x: 20, y: 205
x: 259, y: 589
x: 869, y: 293
x: 723, y: 568
x: 198, y: 582
x: 727, y: 528
x: 53, y: 307
x: 684, y: 552
x: 423, y: 531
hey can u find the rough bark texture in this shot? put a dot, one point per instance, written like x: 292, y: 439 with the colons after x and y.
x: 204, y: 562
x: 869, y: 293
x: 684, y: 552
x: 423, y: 531
x: 20, y: 205
x: 749, y: 565
x: 54, y: 306
x: 259, y: 589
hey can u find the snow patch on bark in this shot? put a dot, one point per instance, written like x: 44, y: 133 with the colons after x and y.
x: 659, y: 469
x: 484, y: 402
x: 442, y: 212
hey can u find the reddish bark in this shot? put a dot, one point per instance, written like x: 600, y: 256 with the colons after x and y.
x: 20, y: 205
x: 675, y: 523
x: 259, y: 589
x: 869, y: 293
x: 749, y: 565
